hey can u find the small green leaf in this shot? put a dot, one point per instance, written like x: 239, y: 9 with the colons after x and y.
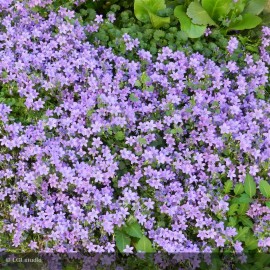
x: 150, y: 88
x: 133, y: 97
x: 242, y: 233
x: 142, y: 141
x: 192, y: 30
x: 121, y: 240
x: 134, y: 230
x: 228, y: 186
x: 248, y: 21
x: 144, y: 245
x: 144, y: 78
x: 255, y: 6
x: 233, y: 208
x: 239, y: 188
x: 246, y: 221
x: 232, y: 221
x: 251, y: 243
x: 243, y: 208
x: 120, y: 136
x: 264, y: 188
x: 244, y: 198
x: 250, y: 186
x: 138, y: 83
x: 199, y: 15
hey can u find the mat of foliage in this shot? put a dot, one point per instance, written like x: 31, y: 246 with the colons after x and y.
x: 170, y: 154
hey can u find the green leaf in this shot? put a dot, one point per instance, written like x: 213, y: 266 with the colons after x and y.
x: 242, y: 233
x: 248, y: 21
x: 144, y: 245
x: 142, y: 141
x: 250, y: 186
x: 232, y: 221
x: 134, y: 230
x: 239, y: 188
x: 199, y: 15
x: 251, y: 243
x: 70, y: 267
x: 264, y: 188
x: 120, y: 136
x: 133, y: 97
x: 228, y: 186
x: 246, y: 221
x: 192, y: 30
x: 255, y: 6
x: 267, y: 204
x: 216, y: 8
x: 233, y: 208
x: 243, y: 208
x: 121, y: 240
x: 145, y: 78
x: 146, y: 10
x: 244, y: 198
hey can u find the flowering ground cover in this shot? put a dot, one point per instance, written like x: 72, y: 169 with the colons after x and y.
x: 117, y: 141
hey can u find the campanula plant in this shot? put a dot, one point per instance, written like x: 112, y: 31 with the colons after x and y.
x: 130, y: 151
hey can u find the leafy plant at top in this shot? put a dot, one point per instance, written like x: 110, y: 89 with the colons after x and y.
x: 192, y: 30
x: 227, y: 14
x: 199, y: 15
x: 146, y: 10
x: 216, y: 8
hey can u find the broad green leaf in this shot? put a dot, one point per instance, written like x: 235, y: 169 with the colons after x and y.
x: 216, y: 8
x: 192, y: 30
x: 250, y: 186
x: 146, y: 10
x: 233, y: 208
x: 242, y: 233
x: 248, y: 21
x: 239, y: 188
x: 121, y: 240
x: 264, y: 188
x: 120, y: 136
x: 144, y: 245
x: 228, y: 186
x: 134, y: 230
x: 199, y: 15
x: 267, y: 204
x: 239, y: 7
x: 251, y: 243
x: 255, y: 6
x: 246, y: 221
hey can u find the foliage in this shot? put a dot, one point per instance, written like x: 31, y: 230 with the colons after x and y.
x: 195, y: 16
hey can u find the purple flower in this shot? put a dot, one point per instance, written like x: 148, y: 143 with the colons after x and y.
x: 232, y: 45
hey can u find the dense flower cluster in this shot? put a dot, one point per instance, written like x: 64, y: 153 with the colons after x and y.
x: 153, y: 140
